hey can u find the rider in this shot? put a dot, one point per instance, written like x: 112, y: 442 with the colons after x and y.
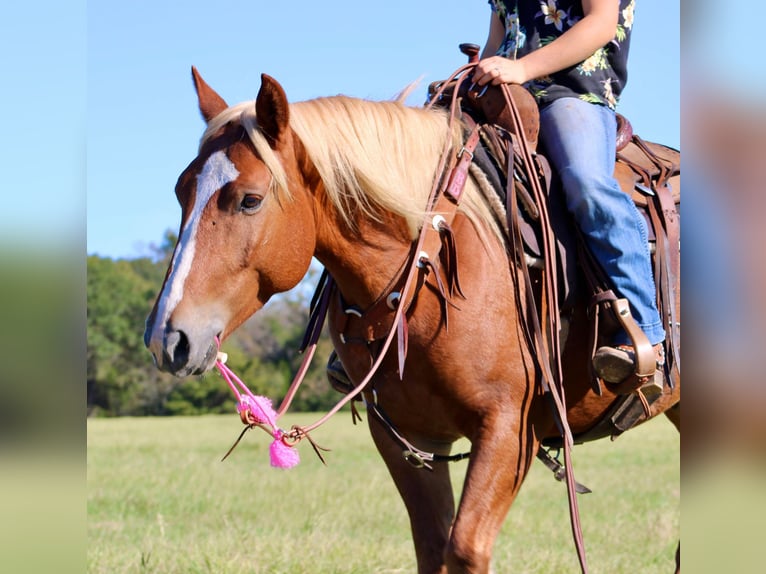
x: 572, y: 56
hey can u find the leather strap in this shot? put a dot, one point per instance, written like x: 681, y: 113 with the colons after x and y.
x: 416, y: 457
x: 667, y: 255
x: 550, y: 354
x: 457, y: 179
x: 559, y: 472
x: 673, y: 231
x: 666, y: 223
x: 375, y: 322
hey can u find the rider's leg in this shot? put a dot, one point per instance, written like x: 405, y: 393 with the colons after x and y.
x: 579, y: 138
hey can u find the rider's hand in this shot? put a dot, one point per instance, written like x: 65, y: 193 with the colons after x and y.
x: 498, y: 70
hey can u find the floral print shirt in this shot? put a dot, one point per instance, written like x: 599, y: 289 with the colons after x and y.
x: 530, y: 24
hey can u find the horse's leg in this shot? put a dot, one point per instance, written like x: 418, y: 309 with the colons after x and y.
x: 427, y: 495
x: 501, y: 455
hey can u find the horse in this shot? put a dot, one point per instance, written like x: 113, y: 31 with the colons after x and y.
x: 346, y: 181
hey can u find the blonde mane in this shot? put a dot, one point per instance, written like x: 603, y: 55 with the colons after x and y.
x: 371, y: 156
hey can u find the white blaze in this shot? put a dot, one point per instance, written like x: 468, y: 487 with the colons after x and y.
x: 217, y: 172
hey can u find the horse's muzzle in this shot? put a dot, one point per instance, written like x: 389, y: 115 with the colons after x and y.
x: 174, y: 353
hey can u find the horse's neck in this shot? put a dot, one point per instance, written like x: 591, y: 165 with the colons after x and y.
x: 364, y: 262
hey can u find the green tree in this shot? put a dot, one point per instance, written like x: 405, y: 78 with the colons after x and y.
x: 121, y: 378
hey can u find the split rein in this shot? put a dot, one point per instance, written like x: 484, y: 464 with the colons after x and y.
x: 257, y: 411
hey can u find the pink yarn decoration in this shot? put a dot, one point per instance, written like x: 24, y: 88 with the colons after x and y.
x: 260, y: 407
x: 262, y: 411
x: 281, y: 455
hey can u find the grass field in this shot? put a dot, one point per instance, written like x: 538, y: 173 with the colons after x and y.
x: 160, y: 500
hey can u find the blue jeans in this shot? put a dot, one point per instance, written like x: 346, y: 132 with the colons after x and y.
x: 579, y: 138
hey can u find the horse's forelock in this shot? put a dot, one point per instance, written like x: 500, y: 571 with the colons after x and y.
x: 243, y: 114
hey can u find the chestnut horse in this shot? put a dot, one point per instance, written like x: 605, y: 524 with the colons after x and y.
x: 347, y: 181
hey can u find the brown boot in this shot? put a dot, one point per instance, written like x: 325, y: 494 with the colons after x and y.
x: 615, y: 364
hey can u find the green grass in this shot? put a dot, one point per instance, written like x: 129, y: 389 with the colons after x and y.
x: 160, y: 500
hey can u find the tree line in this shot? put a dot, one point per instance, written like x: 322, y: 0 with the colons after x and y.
x: 122, y: 380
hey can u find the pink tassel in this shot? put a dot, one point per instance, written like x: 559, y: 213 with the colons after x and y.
x: 260, y: 407
x: 282, y: 456
x: 262, y: 411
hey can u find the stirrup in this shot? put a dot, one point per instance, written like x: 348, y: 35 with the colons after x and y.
x: 637, y: 367
x: 615, y: 364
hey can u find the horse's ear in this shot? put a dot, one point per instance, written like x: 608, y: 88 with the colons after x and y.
x: 210, y: 103
x: 272, y: 110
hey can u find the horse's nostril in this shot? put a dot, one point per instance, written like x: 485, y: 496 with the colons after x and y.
x: 176, y: 349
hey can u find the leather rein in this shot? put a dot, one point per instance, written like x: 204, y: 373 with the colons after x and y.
x: 544, y: 339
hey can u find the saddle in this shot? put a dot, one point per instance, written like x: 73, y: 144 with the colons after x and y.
x: 648, y: 172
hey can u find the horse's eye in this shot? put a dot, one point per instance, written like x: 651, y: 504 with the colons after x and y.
x: 250, y: 203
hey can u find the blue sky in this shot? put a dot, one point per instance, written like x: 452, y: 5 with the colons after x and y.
x: 42, y: 98
x: 142, y: 121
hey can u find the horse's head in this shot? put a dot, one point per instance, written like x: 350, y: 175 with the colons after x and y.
x: 247, y: 229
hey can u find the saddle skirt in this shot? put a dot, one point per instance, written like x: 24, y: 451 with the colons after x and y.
x: 641, y: 169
